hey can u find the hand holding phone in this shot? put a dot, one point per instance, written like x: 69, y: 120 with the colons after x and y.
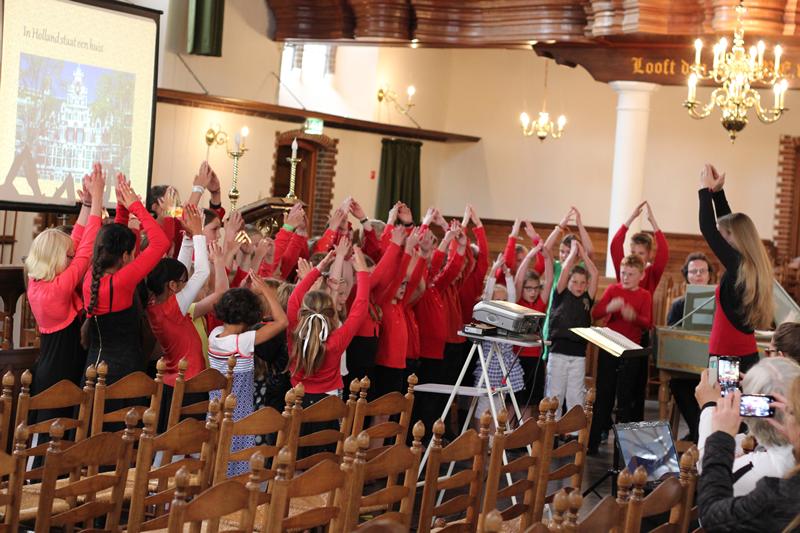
x: 728, y: 374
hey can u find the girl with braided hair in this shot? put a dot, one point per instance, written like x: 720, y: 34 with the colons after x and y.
x: 114, y: 325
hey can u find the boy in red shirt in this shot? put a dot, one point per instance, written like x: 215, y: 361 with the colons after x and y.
x: 642, y: 245
x: 627, y: 309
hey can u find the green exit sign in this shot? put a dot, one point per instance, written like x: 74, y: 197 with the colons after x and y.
x: 313, y: 126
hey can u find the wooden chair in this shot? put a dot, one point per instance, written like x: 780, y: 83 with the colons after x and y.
x: 324, y: 477
x: 6, y: 413
x: 151, y: 485
x: 526, y: 467
x: 224, y: 498
x: 136, y: 386
x: 12, y: 472
x: 610, y: 513
x: 577, y: 419
x: 63, y: 394
x: 204, y: 382
x: 388, y: 465
x: 330, y: 409
x: 79, y: 491
x: 469, y: 446
x: 673, y: 495
x: 492, y: 522
x: 392, y: 404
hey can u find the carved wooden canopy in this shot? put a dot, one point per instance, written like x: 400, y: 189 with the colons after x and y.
x: 607, y: 37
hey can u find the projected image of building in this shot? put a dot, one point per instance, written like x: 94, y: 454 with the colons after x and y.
x: 70, y: 115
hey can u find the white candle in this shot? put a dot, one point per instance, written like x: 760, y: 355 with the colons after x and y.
x: 698, y: 46
x: 784, y: 87
x: 692, y: 87
x: 411, y: 91
x: 294, y: 148
x: 562, y: 121
x: 776, y: 89
x: 778, y: 52
x: 716, y: 56
x: 524, y: 119
x: 245, y: 133
x: 761, y: 48
x: 238, y: 140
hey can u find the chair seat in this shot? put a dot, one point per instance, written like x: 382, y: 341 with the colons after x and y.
x: 29, y: 505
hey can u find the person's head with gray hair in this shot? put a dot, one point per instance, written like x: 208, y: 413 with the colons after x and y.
x: 771, y: 375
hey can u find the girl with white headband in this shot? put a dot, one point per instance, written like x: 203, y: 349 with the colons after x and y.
x: 316, y: 343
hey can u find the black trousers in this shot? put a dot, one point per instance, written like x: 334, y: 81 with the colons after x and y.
x: 428, y: 407
x: 683, y: 391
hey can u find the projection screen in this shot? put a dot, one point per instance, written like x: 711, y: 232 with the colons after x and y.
x: 77, y: 85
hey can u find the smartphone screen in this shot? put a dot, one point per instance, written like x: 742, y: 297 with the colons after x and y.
x: 713, y: 368
x: 728, y: 372
x: 757, y: 405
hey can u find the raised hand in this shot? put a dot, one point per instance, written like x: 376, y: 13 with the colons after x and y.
x: 203, y: 176
x: 635, y: 214
x: 214, y: 252
x: 498, y: 263
x: 359, y: 263
x: 398, y: 234
x: 296, y: 215
x: 338, y: 219
x: 474, y: 216
x: 430, y: 214
x: 84, y: 193
x: 404, y: 215
x: 192, y: 220
x: 531, y: 232
x: 303, y: 268
x: 439, y: 220
x: 615, y: 304
x: 357, y: 211
x: 125, y: 194
x: 342, y: 248
x: 327, y: 260
x: 719, y: 179
x: 567, y: 218
x: 515, y: 228
x: 467, y: 216
x: 412, y: 241
x: 393, y: 213
x: 234, y: 224
x: 97, y: 184
x: 213, y: 182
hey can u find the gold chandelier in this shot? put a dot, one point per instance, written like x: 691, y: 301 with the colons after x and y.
x: 736, y: 70
x: 543, y: 126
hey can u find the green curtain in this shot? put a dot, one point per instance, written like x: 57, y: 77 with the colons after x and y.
x: 399, y: 176
x: 204, y: 28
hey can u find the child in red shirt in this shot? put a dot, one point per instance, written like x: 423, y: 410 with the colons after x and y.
x: 627, y: 308
x: 642, y: 245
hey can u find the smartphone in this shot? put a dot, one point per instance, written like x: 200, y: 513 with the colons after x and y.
x: 728, y: 374
x: 713, y: 367
x: 757, y: 405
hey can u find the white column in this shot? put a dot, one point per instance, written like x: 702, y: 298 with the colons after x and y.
x: 630, y: 143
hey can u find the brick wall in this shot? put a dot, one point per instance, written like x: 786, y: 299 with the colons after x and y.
x: 784, y: 228
x: 324, y: 178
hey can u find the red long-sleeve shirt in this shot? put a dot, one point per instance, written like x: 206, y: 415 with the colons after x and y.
x: 55, y: 303
x: 328, y: 377
x: 472, y: 285
x: 653, y: 271
x: 385, y: 273
x: 393, y: 340
x: 371, y: 245
x: 420, y: 270
x: 431, y: 309
x: 127, y: 277
x: 510, y: 258
x: 638, y: 298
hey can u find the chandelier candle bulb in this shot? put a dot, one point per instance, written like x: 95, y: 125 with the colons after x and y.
x: 562, y: 121
x: 761, y: 48
x: 778, y: 53
x: 524, y: 119
x: 698, y: 47
x: 411, y: 91
x: 692, y: 87
x: 294, y: 148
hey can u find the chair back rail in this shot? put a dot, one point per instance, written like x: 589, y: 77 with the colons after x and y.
x: 192, y: 439
x: 325, y: 477
x: 221, y: 499
x: 80, y: 490
x: 62, y: 395
x: 470, y: 445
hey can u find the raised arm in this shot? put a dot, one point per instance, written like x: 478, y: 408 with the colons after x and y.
x: 342, y: 336
x: 726, y: 253
x: 586, y: 241
x: 279, y: 320
x: 302, y: 287
x: 563, y: 279
x: 221, y: 283
x: 594, y: 274
x: 192, y: 222
x: 558, y: 231
x: 491, y: 281
x: 662, y: 248
x: 547, y: 282
x: 522, y: 271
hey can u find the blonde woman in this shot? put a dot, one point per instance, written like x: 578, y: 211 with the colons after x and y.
x: 744, y: 295
x: 56, y: 265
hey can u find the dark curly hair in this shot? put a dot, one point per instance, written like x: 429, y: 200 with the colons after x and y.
x: 239, y: 306
x: 112, y: 241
